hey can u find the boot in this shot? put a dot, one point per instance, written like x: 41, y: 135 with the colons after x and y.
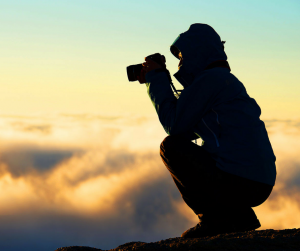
x: 211, y: 226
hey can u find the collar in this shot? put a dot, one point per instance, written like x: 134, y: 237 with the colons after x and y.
x: 219, y: 63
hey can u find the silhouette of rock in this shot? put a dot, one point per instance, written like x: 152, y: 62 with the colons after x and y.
x: 78, y: 248
x: 275, y: 240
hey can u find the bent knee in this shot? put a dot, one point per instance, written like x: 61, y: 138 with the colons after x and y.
x: 170, y: 143
x: 164, y: 144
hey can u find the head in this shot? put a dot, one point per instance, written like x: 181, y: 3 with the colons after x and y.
x: 196, y: 48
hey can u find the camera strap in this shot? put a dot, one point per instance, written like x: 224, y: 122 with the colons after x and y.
x: 170, y: 79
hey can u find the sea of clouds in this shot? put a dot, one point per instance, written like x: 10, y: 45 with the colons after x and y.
x: 93, y: 180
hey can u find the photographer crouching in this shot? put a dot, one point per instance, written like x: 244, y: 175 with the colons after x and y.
x: 234, y: 168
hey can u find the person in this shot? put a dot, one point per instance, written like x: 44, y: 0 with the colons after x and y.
x: 234, y: 168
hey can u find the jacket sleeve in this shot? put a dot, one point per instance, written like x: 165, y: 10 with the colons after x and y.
x: 180, y: 116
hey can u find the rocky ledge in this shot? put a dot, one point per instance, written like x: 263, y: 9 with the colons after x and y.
x: 275, y: 240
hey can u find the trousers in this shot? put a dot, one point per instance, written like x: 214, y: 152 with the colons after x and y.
x: 204, y: 187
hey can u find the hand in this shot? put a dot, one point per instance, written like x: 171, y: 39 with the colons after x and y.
x: 149, y: 65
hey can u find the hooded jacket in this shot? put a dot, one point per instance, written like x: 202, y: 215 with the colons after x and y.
x: 215, y: 107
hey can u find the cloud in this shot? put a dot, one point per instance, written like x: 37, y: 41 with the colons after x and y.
x: 89, y: 181
x: 100, y: 182
x: 25, y: 160
x: 281, y: 209
x: 90, y: 205
x: 90, y: 117
x: 42, y: 129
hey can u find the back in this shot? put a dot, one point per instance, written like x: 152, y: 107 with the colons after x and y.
x: 232, y: 130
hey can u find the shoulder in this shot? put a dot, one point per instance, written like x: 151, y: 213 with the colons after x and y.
x: 220, y: 77
x: 218, y: 82
x: 217, y: 73
x: 216, y: 77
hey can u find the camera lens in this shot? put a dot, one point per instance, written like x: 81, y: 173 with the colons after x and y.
x: 133, y: 71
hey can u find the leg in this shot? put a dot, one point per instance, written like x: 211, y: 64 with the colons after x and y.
x: 192, y: 169
x: 218, y: 197
x: 240, y: 195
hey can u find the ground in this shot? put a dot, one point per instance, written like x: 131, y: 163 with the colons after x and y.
x: 275, y: 240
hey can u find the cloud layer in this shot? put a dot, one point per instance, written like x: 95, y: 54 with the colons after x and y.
x: 99, y: 181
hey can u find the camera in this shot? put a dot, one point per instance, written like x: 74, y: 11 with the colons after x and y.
x: 133, y: 71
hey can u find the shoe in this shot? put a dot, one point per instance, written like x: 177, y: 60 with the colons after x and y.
x: 213, y: 228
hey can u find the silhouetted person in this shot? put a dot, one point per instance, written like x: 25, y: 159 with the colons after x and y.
x: 234, y: 168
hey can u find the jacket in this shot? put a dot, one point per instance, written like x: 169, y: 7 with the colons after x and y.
x: 215, y: 107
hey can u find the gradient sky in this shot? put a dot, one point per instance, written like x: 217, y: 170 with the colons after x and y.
x: 71, y: 56
x: 79, y: 162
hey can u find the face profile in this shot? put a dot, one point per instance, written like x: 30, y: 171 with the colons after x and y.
x: 181, y: 60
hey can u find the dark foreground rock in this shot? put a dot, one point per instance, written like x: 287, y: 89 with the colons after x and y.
x: 269, y: 239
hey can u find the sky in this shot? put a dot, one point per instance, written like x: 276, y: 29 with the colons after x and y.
x: 79, y: 161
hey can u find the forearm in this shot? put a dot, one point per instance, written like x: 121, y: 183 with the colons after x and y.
x: 162, y: 97
x: 165, y: 103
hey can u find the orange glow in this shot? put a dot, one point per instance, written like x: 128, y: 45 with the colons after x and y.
x: 106, y: 164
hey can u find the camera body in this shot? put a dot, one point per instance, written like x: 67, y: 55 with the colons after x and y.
x: 133, y: 71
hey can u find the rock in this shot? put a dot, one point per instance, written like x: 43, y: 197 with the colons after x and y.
x: 275, y: 240
x: 78, y: 248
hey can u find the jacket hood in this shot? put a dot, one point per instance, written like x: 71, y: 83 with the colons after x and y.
x: 200, y: 45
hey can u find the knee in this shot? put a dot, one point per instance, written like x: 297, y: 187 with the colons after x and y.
x: 164, y: 145
x: 169, y: 144
x: 168, y: 152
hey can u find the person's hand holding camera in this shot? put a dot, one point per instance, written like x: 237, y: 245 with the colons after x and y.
x: 150, y: 65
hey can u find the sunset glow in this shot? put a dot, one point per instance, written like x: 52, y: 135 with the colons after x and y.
x: 79, y: 153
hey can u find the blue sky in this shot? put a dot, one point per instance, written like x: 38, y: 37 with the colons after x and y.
x: 63, y: 49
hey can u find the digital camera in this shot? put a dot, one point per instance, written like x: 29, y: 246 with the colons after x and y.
x: 133, y: 71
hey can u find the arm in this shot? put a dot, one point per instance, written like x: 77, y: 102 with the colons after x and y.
x: 180, y: 116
